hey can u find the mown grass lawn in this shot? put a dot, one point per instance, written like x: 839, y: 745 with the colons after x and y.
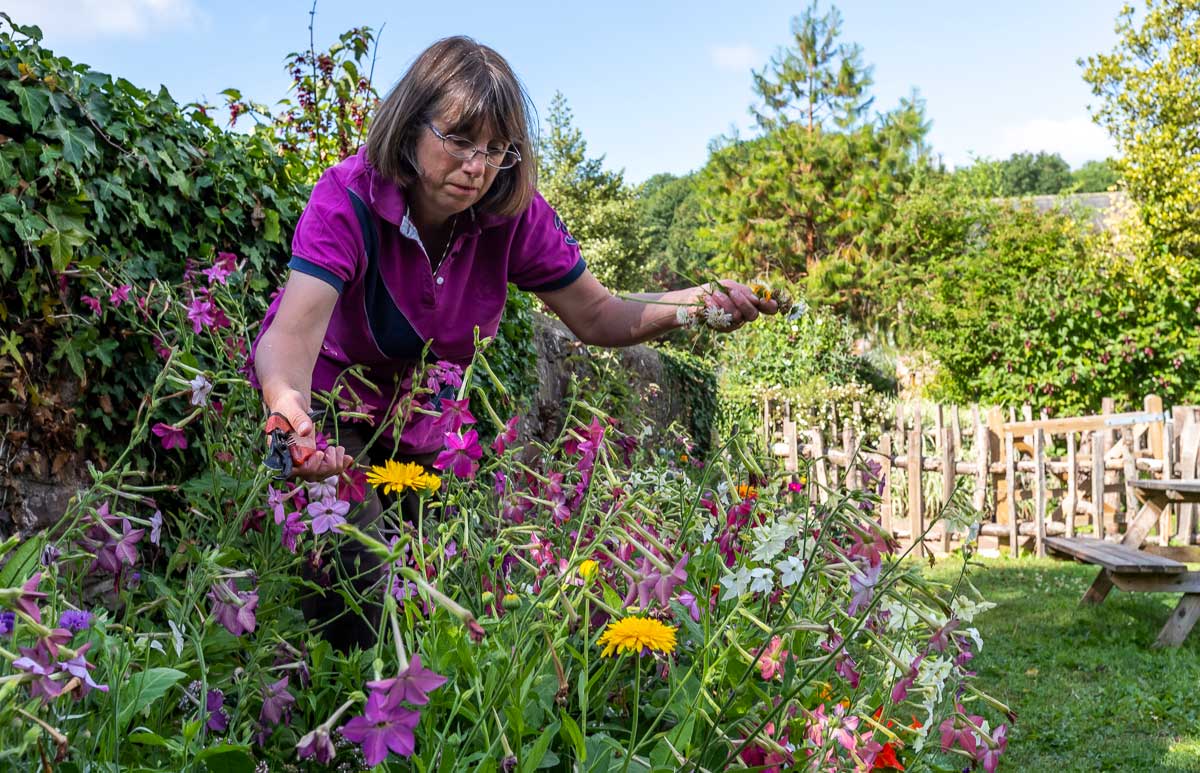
x: 1089, y: 692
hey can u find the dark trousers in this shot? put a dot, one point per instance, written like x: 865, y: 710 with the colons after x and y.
x: 360, y: 573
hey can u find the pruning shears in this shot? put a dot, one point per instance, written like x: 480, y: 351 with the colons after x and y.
x: 285, y: 451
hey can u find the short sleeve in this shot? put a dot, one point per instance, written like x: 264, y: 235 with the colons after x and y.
x: 545, y: 256
x: 328, y: 243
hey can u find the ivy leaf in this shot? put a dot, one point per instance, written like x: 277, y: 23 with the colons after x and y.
x: 77, y: 141
x: 8, y: 116
x: 34, y: 104
x: 271, y: 229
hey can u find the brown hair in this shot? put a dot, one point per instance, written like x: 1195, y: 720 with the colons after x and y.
x: 481, y: 92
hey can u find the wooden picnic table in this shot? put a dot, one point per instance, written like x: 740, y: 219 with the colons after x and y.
x: 1126, y: 566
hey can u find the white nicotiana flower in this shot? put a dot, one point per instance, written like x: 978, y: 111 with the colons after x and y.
x: 933, y: 674
x: 901, y: 616
x: 770, y: 540
x: 906, y: 654
x: 200, y: 389
x: 764, y: 580
x: 717, y: 318
x: 974, y: 634
x: 707, y: 532
x: 791, y: 571
x: 735, y: 584
x: 920, y: 733
x: 176, y: 637
x: 965, y: 609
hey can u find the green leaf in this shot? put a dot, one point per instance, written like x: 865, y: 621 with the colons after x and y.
x: 23, y: 563
x: 271, y: 226
x: 77, y: 141
x: 532, y: 760
x: 34, y: 104
x: 227, y: 758
x: 8, y: 116
x: 572, y: 735
x: 145, y: 687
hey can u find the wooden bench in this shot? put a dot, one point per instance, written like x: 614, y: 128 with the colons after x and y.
x: 1126, y: 566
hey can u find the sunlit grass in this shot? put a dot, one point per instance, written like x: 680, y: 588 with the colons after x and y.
x: 1089, y: 692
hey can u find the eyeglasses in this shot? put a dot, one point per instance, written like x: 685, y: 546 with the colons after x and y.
x: 465, y: 150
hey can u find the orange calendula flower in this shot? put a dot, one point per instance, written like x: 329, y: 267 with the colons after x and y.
x: 634, y: 635
x: 746, y: 491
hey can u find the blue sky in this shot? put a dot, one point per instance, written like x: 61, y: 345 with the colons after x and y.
x: 650, y: 82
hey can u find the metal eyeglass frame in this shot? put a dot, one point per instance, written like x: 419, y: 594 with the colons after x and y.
x: 513, y: 152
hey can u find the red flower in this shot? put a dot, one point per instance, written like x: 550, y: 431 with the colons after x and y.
x: 886, y: 759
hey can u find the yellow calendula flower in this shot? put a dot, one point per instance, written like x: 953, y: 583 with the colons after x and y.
x: 587, y: 570
x: 635, y: 634
x: 428, y: 483
x: 397, y: 477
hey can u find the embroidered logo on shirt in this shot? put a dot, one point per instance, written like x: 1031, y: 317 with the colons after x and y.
x: 559, y: 225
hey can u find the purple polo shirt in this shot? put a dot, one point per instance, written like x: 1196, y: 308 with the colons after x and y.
x: 355, y: 234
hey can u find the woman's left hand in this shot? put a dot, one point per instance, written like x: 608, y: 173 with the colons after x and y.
x: 739, y: 301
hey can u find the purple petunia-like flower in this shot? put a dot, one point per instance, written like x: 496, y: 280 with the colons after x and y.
x: 863, y: 586
x: 202, y: 313
x: 79, y: 668
x: 156, y: 524
x: 327, y: 514
x: 293, y: 526
x: 277, y: 704
x: 460, y: 454
x: 411, y: 685
x: 316, y: 744
x: 37, y: 662
x: 232, y: 608
x: 8, y: 622
x: 27, y: 600
x: 171, y: 437
x: 214, y: 704
x: 380, y: 730
x: 75, y: 619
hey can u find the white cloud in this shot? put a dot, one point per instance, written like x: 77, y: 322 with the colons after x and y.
x: 737, y: 58
x: 1075, y: 139
x: 93, y: 19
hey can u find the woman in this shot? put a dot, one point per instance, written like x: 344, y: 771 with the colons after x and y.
x: 414, y: 239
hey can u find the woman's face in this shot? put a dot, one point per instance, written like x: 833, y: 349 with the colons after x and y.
x: 449, y: 185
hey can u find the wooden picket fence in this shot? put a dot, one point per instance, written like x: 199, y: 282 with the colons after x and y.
x: 1029, y: 477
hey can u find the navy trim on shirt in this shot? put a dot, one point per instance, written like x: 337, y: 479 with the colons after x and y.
x: 559, y: 283
x: 306, y: 266
x: 393, y: 333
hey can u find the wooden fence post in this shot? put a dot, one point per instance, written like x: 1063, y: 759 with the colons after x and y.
x: 916, y: 504
x: 983, y: 460
x: 1039, y: 461
x: 996, y: 450
x: 887, y: 514
x: 817, y: 439
x: 1130, y: 474
x: 1010, y: 477
x: 1098, y: 450
x: 948, y: 475
x: 851, y: 449
x: 957, y: 430
x: 1071, y: 501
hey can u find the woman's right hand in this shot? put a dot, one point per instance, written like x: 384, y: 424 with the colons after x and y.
x: 332, y: 461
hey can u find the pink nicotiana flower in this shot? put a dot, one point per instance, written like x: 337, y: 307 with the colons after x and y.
x: 214, y: 705
x: 91, y: 303
x: 233, y: 608
x: 772, y: 660
x: 381, y: 729
x: 411, y: 685
x: 460, y: 455
x: 455, y: 414
x: 202, y: 313
x: 862, y: 584
x: 507, y: 437
x: 217, y: 274
x: 156, y: 524
x: 171, y: 437
x: 277, y: 704
x: 316, y: 744
x: 79, y: 668
x: 120, y: 295
x: 200, y: 390
x: 27, y: 600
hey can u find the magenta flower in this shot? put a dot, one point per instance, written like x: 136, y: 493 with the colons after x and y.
x: 232, y: 608
x: 990, y: 758
x: 507, y: 437
x: 327, y: 514
x: 940, y: 638
x: 411, y: 685
x: 277, y: 703
x: 954, y: 730
x: 293, y: 527
x: 171, y: 437
x: 316, y: 744
x: 380, y: 729
x: 27, y: 600
x: 124, y: 548
x: 120, y: 295
x: 460, y: 454
x: 202, y: 313
x: 275, y: 502
x: 217, y: 274
x: 455, y: 414
x: 91, y: 303
x: 772, y: 660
